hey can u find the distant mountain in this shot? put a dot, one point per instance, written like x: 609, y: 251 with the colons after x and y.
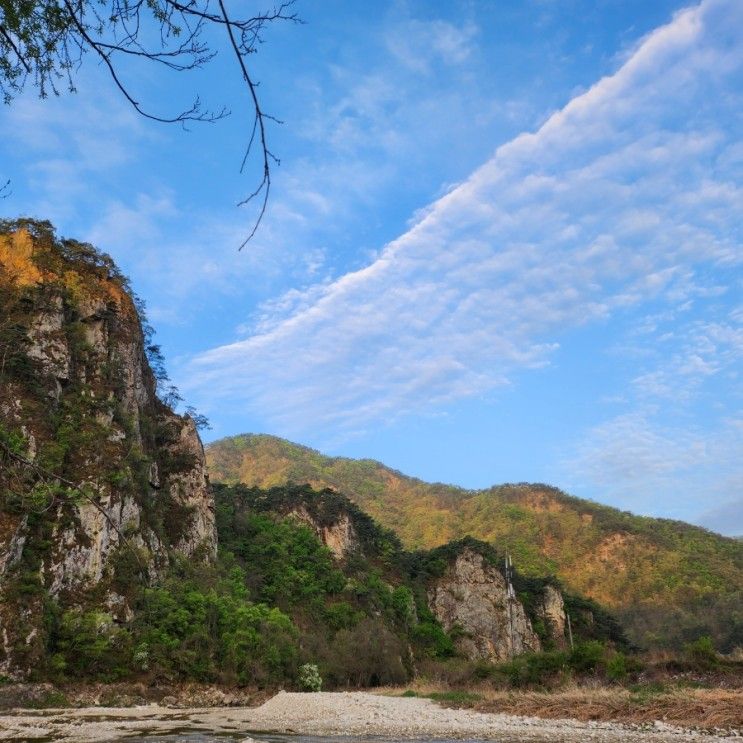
x: 668, y: 580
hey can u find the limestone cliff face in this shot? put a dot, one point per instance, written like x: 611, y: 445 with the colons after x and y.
x: 339, y: 536
x: 471, y: 600
x: 78, y: 400
x: 340, y: 525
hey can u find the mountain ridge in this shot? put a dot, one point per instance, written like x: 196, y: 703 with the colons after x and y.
x: 461, y: 488
x: 653, y: 571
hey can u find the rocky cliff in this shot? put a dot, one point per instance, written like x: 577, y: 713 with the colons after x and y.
x: 339, y: 536
x: 340, y: 525
x: 460, y: 587
x: 472, y: 600
x: 550, y: 610
x: 101, y: 483
x: 495, y: 615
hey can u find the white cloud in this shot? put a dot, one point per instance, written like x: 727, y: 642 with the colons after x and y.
x: 629, y: 449
x: 121, y: 224
x: 651, y: 468
x: 94, y: 168
x: 92, y: 129
x: 375, y: 129
x: 67, y: 144
x: 678, y: 451
x: 694, y: 353
x: 594, y: 213
x: 97, y: 170
x: 420, y: 45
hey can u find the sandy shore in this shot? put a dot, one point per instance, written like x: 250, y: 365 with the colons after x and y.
x: 328, y: 714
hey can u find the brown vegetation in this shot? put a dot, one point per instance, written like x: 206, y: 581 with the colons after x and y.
x: 684, y: 707
x: 15, y: 259
x: 705, y: 708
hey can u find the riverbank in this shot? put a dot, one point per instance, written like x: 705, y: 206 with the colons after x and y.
x: 331, y: 714
x: 697, y: 708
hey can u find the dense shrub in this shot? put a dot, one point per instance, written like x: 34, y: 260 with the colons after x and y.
x: 587, y: 657
x: 199, y: 624
x: 89, y: 644
x: 537, y: 670
x: 309, y: 678
x: 616, y: 667
x: 702, y: 652
x: 213, y: 633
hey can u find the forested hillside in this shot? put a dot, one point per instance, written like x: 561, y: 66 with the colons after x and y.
x: 671, y: 582
x: 364, y: 609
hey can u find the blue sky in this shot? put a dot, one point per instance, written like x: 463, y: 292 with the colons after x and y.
x: 504, y: 241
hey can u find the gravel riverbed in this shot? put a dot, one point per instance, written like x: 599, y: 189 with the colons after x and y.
x: 358, y: 714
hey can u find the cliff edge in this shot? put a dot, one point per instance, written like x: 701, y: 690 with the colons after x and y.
x: 101, y: 483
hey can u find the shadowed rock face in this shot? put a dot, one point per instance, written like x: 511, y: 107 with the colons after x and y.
x: 81, y: 400
x: 552, y: 612
x: 339, y: 537
x: 472, y: 600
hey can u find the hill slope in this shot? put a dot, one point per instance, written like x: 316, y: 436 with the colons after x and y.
x: 669, y: 580
x: 367, y: 611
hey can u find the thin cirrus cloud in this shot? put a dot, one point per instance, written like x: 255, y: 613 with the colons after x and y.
x: 630, y: 185
x: 679, y: 471
x: 419, y: 45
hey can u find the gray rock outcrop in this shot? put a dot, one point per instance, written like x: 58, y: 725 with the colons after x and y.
x: 471, y: 600
x: 339, y: 537
x: 552, y: 612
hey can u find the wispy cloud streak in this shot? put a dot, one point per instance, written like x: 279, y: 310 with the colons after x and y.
x: 629, y: 186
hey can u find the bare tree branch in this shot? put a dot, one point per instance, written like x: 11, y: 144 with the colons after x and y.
x: 44, y: 42
x: 265, y: 184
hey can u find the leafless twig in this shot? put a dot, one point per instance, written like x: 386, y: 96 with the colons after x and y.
x: 43, y: 43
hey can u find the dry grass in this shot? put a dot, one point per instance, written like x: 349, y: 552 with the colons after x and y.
x: 698, y: 708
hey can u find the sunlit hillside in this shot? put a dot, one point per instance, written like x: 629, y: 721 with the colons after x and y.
x: 659, y: 574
